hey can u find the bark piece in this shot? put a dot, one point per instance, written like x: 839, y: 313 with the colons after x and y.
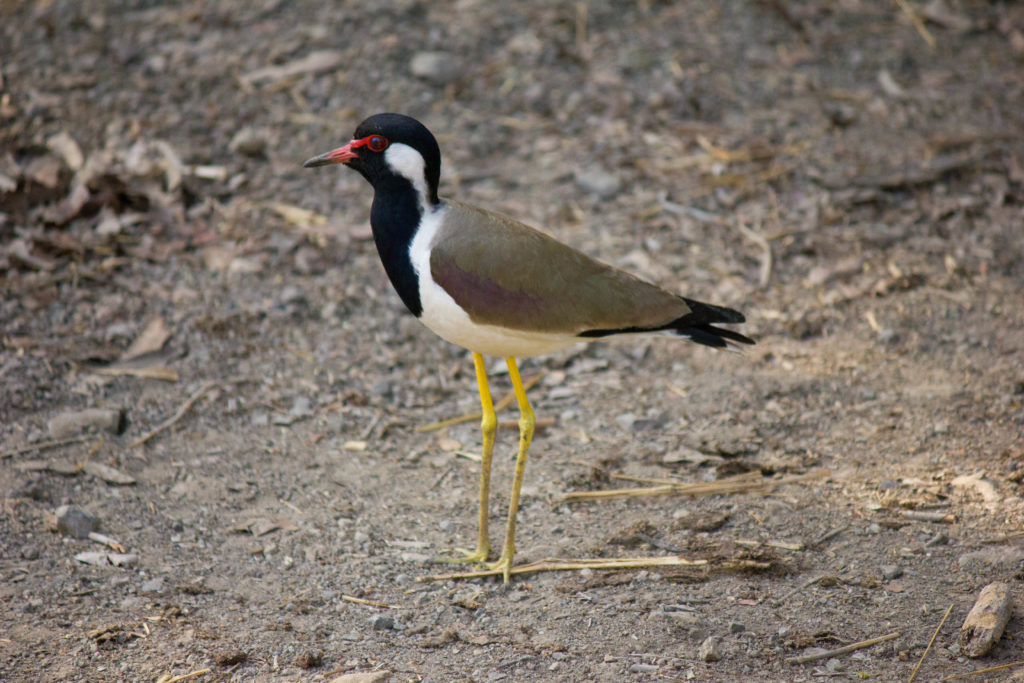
x: 985, y: 623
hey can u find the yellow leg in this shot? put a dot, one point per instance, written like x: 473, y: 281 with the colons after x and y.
x: 488, y: 425
x: 526, y: 423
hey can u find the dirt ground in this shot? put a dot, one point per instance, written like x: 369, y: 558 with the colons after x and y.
x: 850, y: 174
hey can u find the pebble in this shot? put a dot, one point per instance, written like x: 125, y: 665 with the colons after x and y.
x: 440, y: 68
x: 599, y: 182
x: 230, y: 657
x: 75, y: 522
x: 736, y: 627
x: 888, y: 336
x: 447, y: 525
x: 640, y: 668
x: 834, y: 665
x: 30, y: 552
x: 248, y: 142
x: 309, y: 659
x: 382, y: 622
x: 626, y: 420
x: 153, y: 586
x: 363, y: 677
x: 891, y: 571
x: 710, y: 650
x: 75, y: 422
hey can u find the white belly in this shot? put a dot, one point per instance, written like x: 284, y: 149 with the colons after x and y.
x: 444, y: 317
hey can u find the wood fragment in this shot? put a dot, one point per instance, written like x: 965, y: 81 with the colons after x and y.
x: 371, y: 603
x: 152, y: 372
x: 981, y: 672
x: 43, y: 445
x: 107, y: 541
x: 985, y: 622
x: 828, y: 536
x: 167, y: 678
x: 918, y: 23
x: 929, y: 516
x: 843, y: 650
x: 765, y: 273
x: 180, y: 413
x: 741, y: 483
x: 930, y: 643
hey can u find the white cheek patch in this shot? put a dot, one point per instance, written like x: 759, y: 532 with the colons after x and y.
x: 408, y: 163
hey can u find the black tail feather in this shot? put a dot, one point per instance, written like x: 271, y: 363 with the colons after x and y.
x: 698, y: 325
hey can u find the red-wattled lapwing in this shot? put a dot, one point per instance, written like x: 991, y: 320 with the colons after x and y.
x: 498, y: 287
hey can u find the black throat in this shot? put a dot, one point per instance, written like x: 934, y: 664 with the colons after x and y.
x: 395, y: 216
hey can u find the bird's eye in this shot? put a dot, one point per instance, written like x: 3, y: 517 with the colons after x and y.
x: 377, y: 143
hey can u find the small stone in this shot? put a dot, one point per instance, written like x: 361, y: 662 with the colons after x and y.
x: 230, y: 657
x: 309, y: 659
x: 887, y: 484
x: 248, y: 142
x: 363, y: 677
x: 382, y: 622
x: 640, y: 668
x: 599, y: 182
x: 448, y: 526
x: 785, y: 631
x: 710, y: 650
x: 440, y: 68
x: 626, y: 420
x: 833, y: 665
x: 381, y: 388
x: 75, y: 522
x: 736, y: 627
x: 888, y: 336
x: 30, y: 552
x: 891, y: 571
x: 153, y: 586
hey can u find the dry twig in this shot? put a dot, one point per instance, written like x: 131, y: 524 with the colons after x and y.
x: 469, y: 417
x: 371, y: 603
x: 979, y: 672
x: 741, y: 483
x: 931, y: 642
x: 177, y: 415
x: 167, y: 678
x: 43, y: 445
x: 553, y: 564
x: 843, y: 650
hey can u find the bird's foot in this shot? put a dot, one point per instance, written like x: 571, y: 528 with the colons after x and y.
x: 468, y: 556
x: 503, y: 565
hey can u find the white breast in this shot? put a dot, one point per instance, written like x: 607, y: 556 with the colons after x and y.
x: 444, y: 317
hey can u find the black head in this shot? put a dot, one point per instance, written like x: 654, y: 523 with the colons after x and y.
x: 388, y: 145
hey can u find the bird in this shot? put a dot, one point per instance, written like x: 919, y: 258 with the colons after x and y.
x: 498, y: 287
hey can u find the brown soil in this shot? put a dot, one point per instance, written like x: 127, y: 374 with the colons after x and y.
x: 856, y: 192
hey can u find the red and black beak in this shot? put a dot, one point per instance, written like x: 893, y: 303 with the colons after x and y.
x: 342, y: 155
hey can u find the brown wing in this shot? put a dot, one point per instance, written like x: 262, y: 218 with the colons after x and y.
x: 505, y: 273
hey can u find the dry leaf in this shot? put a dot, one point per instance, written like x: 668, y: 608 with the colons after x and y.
x: 152, y: 339
x: 107, y: 473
